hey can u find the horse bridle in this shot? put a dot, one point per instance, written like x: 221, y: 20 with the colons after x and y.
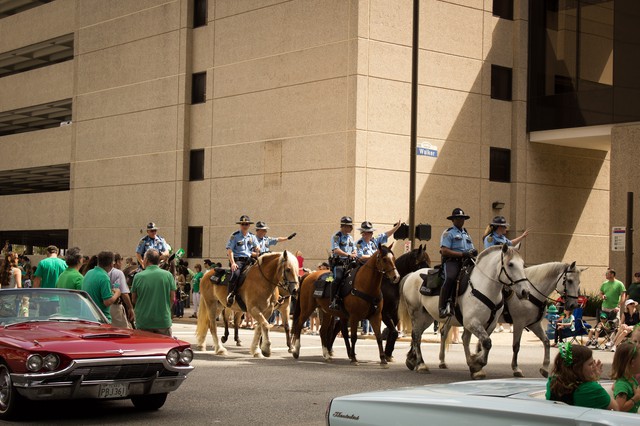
x: 504, y: 270
x: 284, y: 283
x: 564, y: 293
x: 380, y: 270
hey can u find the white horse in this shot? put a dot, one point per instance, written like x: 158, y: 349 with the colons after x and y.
x: 478, y: 307
x: 528, y: 313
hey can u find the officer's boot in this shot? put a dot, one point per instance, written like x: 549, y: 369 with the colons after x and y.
x: 334, y: 289
x: 231, y: 297
x: 445, y: 302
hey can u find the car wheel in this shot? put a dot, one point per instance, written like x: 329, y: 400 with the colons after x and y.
x: 10, y: 400
x: 149, y: 402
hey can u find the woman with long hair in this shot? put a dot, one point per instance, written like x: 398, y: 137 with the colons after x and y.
x: 10, y: 274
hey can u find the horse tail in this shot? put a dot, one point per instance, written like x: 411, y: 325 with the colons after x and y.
x: 203, y: 321
x: 403, y: 309
x: 448, y: 337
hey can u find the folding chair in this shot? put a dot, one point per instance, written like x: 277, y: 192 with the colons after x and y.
x: 608, y: 333
x: 581, y: 328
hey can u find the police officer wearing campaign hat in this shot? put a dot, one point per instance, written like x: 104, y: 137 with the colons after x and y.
x: 455, y: 245
x: 368, y: 245
x: 240, y: 247
x: 265, y: 242
x: 343, y: 250
x: 496, y: 233
x: 151, y: 240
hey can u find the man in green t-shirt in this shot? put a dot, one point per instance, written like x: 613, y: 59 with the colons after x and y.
x: 612, y: 293
x: 98, y: 285
x: 195, y: 286
x: 49, y: 269
x: 71, y: 278
x: 152, y: 292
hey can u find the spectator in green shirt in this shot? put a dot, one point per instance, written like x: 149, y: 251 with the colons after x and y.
x: 612, y: 293
x: 49, y: 269
x: 195, y: 286
x: 633, y: 290
x: 71, y: 278
x: 152, y: 292
x: 97, y: 284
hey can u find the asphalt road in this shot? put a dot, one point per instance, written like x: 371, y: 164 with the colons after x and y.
x: 241, y: 390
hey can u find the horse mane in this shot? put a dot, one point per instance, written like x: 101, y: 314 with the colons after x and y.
x: 292, y: 260
x: 545, y: 271
x: 406, y: 261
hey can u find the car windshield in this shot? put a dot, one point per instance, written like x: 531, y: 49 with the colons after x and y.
x: 34, y: 305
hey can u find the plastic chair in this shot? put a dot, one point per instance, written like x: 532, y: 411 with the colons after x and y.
x: 581, y: 328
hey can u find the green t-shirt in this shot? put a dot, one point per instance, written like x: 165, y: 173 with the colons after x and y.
x: 627, y: 387
x: 588, y: 394
x: 71, y: 278
x: 98, y: 285
x: 152, y: 288
x: 195, y: 283
x: 612, y: 290
x: 49, y: 270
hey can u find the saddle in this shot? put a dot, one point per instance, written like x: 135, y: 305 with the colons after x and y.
x: 432, y: 281
x: 321, y: 286
x: 221, y: 277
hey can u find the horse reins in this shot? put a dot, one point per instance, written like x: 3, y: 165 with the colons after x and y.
x: 281, y: 284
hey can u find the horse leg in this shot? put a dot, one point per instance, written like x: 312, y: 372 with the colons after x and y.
x: 420, y: 321
x: 517, y: 329
x: 478, y: 360
x: 284, y: 312
x: 254, y: 350
x: 445, y: 329
x: 354, y: 338
x: 218, y: 348
x: 326, y: 334
x: 225, y: 320
x: 236, y: 325
x: 375, y: 324
x: 542, y: 335
x: 392, y: 335
x: 337, y: 326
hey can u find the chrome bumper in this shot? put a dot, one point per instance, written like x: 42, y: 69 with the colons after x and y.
x: 72, y: 382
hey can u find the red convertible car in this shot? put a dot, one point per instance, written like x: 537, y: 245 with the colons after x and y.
x: 56, y: 344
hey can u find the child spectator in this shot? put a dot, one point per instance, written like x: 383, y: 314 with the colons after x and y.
x: 574, y: 379
x: 564, y: 326
x: 626, y: 365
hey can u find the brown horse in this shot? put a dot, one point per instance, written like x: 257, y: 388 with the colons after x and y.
x: 364, y: 301
x: 272, y: 271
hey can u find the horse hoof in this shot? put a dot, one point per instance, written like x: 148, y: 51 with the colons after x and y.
x: 258, y: 355
x: 544, y: 372
x: 423, y: 369
x: 355, y: 363
x: 410, y: 365
x: 518, y: 373
x: 221, y: 351
x: 295, y: 355
x: 202, y: 348
x: 330, y: 353
x: 443, y: 365
x: 224, y: 339
x: 290, y: 350
x: 384, y: 365
x: 389, y: 358
x: 478, y: 375
x: 238, y: 343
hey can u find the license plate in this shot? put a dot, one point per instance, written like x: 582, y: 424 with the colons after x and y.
x: 113, y: 390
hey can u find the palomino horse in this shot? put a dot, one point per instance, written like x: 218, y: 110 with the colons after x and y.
x: 271, y: 272
x: 405, y: 264
x: 362, y: 302
x: 478, y: 307
x: 528, y: 312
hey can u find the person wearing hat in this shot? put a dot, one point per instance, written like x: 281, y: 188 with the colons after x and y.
x: 343, y: 250
x: 367, y: 245
x: 151, y: 240
x: 240, y: 247
x: 496, y: 233
x: 630, y: 318
x: 604, y: 323
x: 455, y: 246
x: 265, y: 242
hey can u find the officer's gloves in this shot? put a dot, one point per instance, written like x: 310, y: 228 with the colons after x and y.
x: 291, y: 236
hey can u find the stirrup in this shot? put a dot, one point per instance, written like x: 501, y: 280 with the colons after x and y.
x: 445, y: 311
x: 334, y: 304
x: 231, y: 297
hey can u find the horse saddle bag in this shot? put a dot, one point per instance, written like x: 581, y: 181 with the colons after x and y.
x: 221, y: 276
x: 322, y: 284
x: 432, y: 282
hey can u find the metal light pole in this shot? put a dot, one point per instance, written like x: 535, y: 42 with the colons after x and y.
x: 414, y: 121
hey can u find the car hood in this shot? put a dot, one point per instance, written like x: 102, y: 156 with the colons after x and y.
x: 80, y: 340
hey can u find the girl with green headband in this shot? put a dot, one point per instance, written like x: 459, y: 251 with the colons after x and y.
x: 574, y: 379
x: 626, y: 365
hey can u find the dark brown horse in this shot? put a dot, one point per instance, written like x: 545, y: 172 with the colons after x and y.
x: 364, y: 301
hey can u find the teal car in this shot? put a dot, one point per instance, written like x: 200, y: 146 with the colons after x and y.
x: 491, y: 402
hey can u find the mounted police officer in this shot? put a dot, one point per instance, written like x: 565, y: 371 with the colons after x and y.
x: 265, y: 242
x: 240, y: 247
x: 368, y: 245
x: 343, y: 250
x: 151, y: 240
x: 496, y: 233
x: 455, y: 245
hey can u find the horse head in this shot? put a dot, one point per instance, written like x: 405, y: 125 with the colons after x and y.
x: 288, y: 269
x: 510, y: 270
x: 569, y: 285
x: 420, y: 257
x: 386, y: 263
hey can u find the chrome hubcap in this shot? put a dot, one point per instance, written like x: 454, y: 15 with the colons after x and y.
x: 5, y: 387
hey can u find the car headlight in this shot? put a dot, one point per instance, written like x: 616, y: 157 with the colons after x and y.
x: 173, y: 356
x: 51, y: 362
x: 186, y: 356
x: 34, y: 362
